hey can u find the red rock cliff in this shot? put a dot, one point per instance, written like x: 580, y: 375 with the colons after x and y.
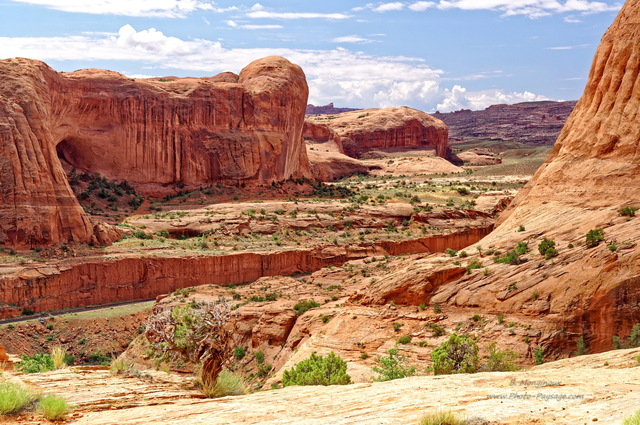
x: 368, y: 129
x: 245, y: 128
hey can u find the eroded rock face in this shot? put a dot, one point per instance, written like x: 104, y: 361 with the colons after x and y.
x: 593, y: 172
x: 228, y: 128
x: 367, y: 129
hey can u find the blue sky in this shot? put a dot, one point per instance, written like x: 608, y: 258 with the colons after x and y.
x: 432, y: 55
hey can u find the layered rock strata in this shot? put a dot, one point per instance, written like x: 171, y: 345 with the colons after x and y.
x: 229, y: 128
x: 368, y: 129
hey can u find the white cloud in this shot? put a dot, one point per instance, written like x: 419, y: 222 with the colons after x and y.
x: 421, y: 6
x: 234, y: 24
x: 258, y: 11
x: 388, y: 7
x: 580, y: 46
x: 531, y: 8
x: 459, y: 98
x: 351, y: 39
x: 146, y: 8
x: 339, y: 75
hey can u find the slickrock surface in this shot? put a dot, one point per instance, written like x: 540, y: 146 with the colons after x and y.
x: 573, y: 392
x: 536, y: 123
x: 228, y: 128
x: 367, y: 129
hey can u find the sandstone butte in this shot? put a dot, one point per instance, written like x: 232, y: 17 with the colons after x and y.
x: 367, y: 129
x: 229, y: 128
x: 592, y: 172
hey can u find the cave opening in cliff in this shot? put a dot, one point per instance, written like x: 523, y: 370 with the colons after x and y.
x: 63, y: 150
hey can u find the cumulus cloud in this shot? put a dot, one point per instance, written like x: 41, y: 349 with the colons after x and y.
x: 146, y: 8
x: 421, y: 6
x: 459, y: 98
x: 338, y: 75
x: 388, y: 7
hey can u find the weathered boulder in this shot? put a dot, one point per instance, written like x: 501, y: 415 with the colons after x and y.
x: 367, y: 129
x: 228, y: 128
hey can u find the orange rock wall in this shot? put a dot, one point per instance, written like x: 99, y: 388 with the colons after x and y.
x: 245, y: 128
x: 95, y: 282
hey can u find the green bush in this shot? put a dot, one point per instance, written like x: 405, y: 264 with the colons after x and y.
x: 459, y: 354
x: 14, y: 397
x: 550, y: 253
x: 436, y: 329
x: 404, y: 339
x: 53, y: 407
x: 140, y: 234
x: 594, y: 237
x: 522, y: 248
x: 239, y: 352
x: 318, y: 370
x: 304, y: 305
x: 628, y: 211
x: 538, y: 354
x: 500, y: 361
x: 393, y: 366
x: 546, y: 245
x: 38, y: 363
x: 633, y: 420
x: 441, y: 418
x: 227, y: 383
x: 511, y: 257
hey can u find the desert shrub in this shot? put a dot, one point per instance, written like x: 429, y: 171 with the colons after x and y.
x: 404, y: 339
x: 304, y: 305
x: 633, y: 420
x: 628, y: 211
x: 436, y: 329
x: 397, y: 326
x: 581, y: 347
x: 511, y: 257
x: 120, y: 366
x: 594, y: 237
x: 98, y: 358
x: 318, y: 370
x: 441, y: 417
x: 634, y: 338
x: 538, y: 354
x: 53, y: 407
x: 58, y: 357
x: 522, y: 248
x: 227, y: 383
x: 140, y: 234
x: 546, y: 245
x: 451, y: 252
x: 14, y: 397
x: 500, y: 361
x: 259, y: 357
x: 393, y: 366
x: 550, y: 253
x: 459, y: 354
x: 474, y: 264
x: 41, y: 362
x: 239, y: 352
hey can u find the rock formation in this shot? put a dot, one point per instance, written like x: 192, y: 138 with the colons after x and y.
x: 227, y: 128
x: 367, y: 129
x: 592, y: 173
x: 535, y: 123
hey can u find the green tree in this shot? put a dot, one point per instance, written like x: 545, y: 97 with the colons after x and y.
x: 393, y: 366
x: 459, y: 354
x: 318, y: 370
